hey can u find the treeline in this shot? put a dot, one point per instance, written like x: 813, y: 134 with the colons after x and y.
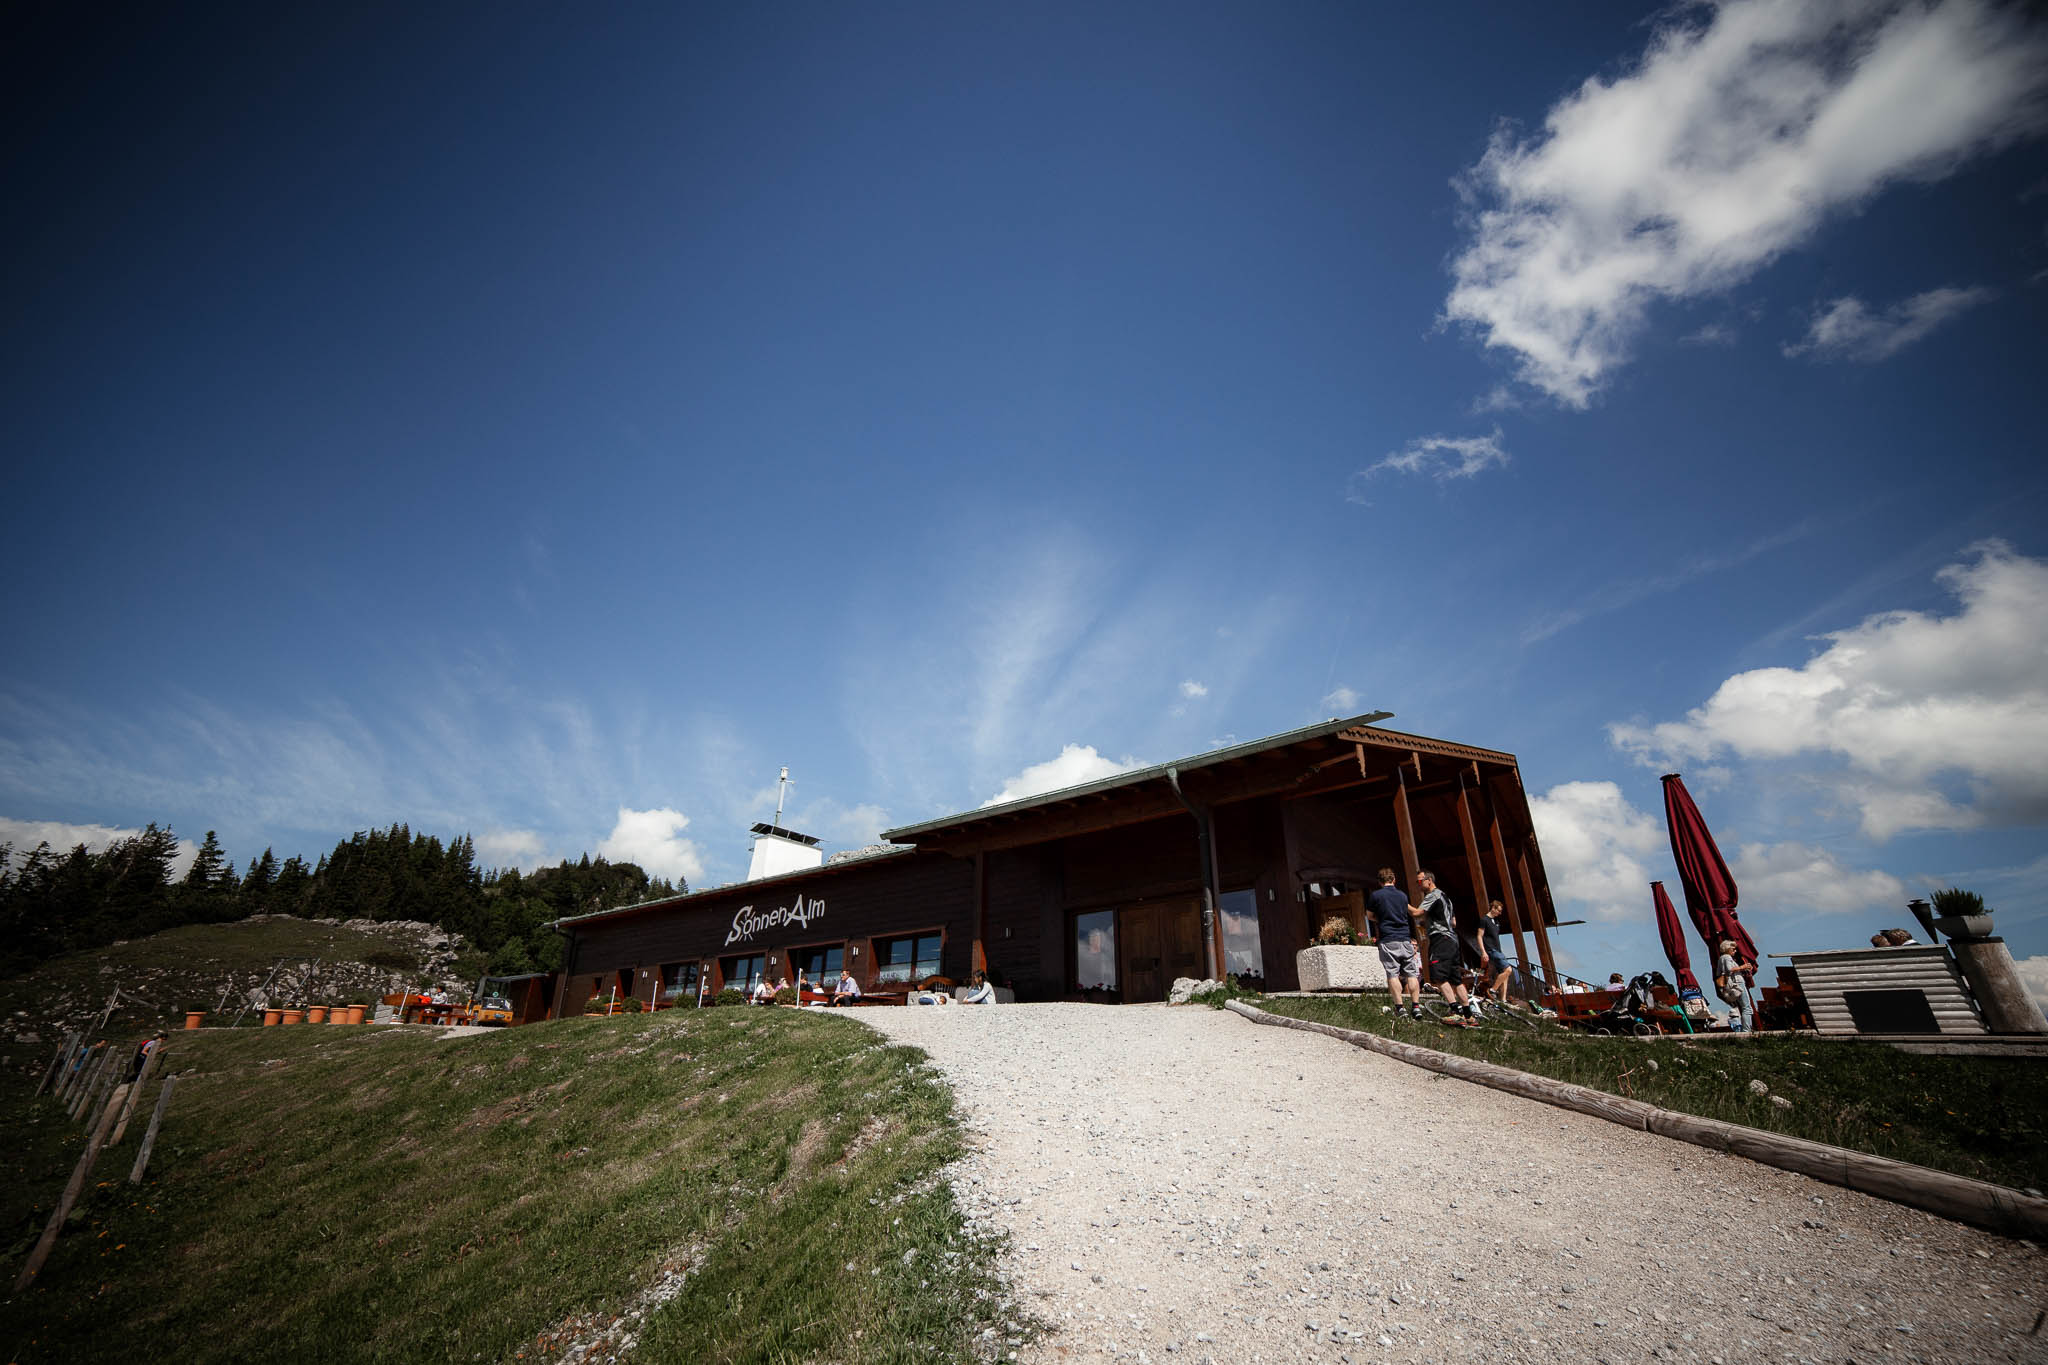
x: 59, y: 902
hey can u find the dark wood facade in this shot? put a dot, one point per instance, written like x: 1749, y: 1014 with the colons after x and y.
x: 1099, y: 891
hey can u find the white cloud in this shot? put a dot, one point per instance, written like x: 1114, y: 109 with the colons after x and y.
x: 1713, y: 334
x: 1731, y: 140
x: 1342, y: 700
x: 1792, y: 878
x: 1846, y: 330
x: 1192, y: 689
x: 1939, y: 722
x: 2034, y: 976
x: 653, y: 839
x: 62, y: 838
x: 1440, y: 457
x: 1593, y: 844
x: 521, y: 848
x: 1076, y: 764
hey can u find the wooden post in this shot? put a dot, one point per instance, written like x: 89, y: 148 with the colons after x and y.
x: 69, y: 1197
x: 978, y: 959
x: 74, y: 1071
x: 64, y: 1050
x: 1474, y: 869
x: 1536, y: 917
x: 1509, y: 901
x: 135, y: 1093
x: 163, y: 1102
x: 105, y: 1100
x: 90, y: 1080
x: 1404, y: 834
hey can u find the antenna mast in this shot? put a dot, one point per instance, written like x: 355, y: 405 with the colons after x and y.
x: 781, y: 790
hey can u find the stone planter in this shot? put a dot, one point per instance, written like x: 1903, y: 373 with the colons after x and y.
x: 1340, y: 967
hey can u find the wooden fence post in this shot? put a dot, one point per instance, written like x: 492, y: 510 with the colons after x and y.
x: 105, y: 1099
x: 163, y: 1102
x: 135, y: 1093
x: 63, y: 1050
x: 90, y: 1081
x: 70, y: 1197
x: 102, y: 1081
x: 74, y: 1070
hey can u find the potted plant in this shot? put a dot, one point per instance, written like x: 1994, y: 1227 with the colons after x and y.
x: 1337, y: 961
x: 1961, y: 914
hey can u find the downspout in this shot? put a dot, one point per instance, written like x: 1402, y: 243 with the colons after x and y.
x: 568, y: 966
x: 1202, y: 836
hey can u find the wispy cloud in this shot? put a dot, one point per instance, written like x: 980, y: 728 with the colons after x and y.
x: 1626, y: 592
x: 1847, y: 330
x: 1737, y: 133
x: 1440, y: 457
x: 1192, y: 689
x: 1712, y: 334
x: 1342, y: 700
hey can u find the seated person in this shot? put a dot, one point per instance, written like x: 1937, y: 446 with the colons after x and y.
x: 764, y: 992
x: 981, y: 992
x: 1615, y: 983
x: 846, y: 990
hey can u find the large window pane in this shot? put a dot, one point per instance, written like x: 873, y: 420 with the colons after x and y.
x: 907, y: 959
x: 679, y: 981
x: 1243, y: 958
x: 1095, y: 951
x: 741, y: 973
x: 818, y: 964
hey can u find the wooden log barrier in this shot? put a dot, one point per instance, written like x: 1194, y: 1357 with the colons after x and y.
x: 72, y: 1190
x: 163, y: 1102
x: 83, y: 1092
x: 1976, y: 1202
x: 74, y: 1074
x: 105, y: 1100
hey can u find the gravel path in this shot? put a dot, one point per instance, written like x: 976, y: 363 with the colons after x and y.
x: 1182, y: 1185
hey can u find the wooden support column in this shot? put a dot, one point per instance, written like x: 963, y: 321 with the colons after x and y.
x: 1474, y: 868
x: 1536, y: 917
x: 1411, y: 865
x: 978, y: 962
x: 1507, y: 884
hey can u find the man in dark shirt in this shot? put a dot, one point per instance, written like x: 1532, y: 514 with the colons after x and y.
x: 1390, y: 908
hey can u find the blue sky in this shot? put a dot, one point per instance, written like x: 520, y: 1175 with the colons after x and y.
x: 544, y: 425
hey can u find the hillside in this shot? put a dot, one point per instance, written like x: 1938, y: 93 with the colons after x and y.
x: 198, y: 966
x: 718, y: 1185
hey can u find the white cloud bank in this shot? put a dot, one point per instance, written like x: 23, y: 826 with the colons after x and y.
x: 1594, y: 842
x: 520, y: 848
x: 653, y: 839
x: 1794, y: 877
x: 1937, y: 722
x: 62, y: 838
x: 1730, y: 140
x: 1847, y: 330
x: 1076, y: 764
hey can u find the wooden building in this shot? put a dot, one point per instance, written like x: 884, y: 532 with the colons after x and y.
x: 1223, y: 862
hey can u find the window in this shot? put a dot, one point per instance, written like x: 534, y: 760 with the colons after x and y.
x: 741, y: 973
x: 679, y: 981
x: 1243, y: 958
x: 907, y: 959
x: 1095, y: 951
x: 817, y: 964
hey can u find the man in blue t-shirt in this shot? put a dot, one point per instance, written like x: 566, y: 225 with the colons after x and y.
x: 1396, y: 918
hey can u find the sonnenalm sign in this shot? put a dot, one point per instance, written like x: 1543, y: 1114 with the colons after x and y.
x: 746, y: 924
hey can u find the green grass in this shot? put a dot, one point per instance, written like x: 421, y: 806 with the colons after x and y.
x: 369, y: 1195
x: 1984, y: 1117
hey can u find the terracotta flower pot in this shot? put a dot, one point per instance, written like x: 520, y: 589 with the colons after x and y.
x: 192, y: 1018
x: 316, y: 1014
x: 271, y: 1018
x: 293, y: 1017
x: 355, y: 1013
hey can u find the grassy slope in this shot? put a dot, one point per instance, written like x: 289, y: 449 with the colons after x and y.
x: 363, y: 1194
x: 1985, y: 1117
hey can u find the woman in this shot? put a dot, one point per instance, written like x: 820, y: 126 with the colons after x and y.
x: 981, y: 993
x: 1730, y: 984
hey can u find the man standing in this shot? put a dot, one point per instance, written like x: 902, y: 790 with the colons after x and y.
x: 1395, y: 915
x: 1445, y: 967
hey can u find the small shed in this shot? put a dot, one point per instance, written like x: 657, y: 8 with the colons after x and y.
x: 1915, y: 989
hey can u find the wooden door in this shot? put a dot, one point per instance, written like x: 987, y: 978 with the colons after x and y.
x: 1139, y: 956
x: 1183, y: 933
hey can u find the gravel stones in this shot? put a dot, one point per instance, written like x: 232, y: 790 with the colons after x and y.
x: 1116, y: 1145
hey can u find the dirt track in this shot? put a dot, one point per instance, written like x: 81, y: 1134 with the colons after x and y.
x: 1182, y: 1185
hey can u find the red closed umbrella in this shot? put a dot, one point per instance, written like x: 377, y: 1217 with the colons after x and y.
x: 1673, y: 934
x: 1709, y: 885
